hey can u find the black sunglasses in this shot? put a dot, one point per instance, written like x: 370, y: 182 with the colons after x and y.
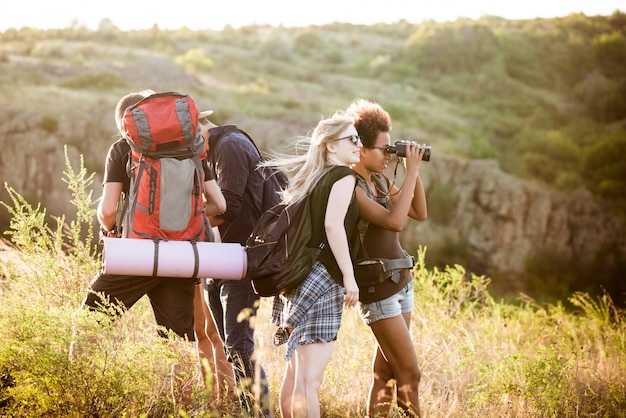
x: 356, y: 140
x: 386, y: 149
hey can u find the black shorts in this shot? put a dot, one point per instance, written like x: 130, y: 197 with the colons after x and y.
x: 171, y: 298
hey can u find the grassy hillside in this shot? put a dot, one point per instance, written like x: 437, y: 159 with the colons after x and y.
x: 543, y: 97
x: 479, y: 357
x: 546, y: 97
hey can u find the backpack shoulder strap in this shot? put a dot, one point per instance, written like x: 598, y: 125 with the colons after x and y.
x: 382, y: 183
x: 229, y: 129
x: 281, y: 177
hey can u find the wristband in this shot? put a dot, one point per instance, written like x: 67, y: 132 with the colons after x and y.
x: 106, y: 233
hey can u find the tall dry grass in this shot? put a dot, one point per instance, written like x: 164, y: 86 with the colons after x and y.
x: 479, y: 357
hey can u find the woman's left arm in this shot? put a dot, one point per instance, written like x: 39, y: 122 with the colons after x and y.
x: 418, y: 210
x: 336, y: 210
x: 412, y: 185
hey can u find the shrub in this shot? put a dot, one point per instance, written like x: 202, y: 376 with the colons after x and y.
x: 49, y: 124
x: 604, y: 166
x: 195, y: 61
x: 103, y: 81
x: 443, y: 200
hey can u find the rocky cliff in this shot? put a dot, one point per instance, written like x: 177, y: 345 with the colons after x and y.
x: 32, y: 162
x: 500, y: 221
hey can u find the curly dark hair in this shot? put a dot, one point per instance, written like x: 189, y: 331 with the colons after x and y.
x: 369, y: 120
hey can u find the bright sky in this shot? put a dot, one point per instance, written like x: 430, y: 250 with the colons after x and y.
x: 208, y: 14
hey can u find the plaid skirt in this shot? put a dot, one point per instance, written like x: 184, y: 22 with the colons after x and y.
x: 313, y: 311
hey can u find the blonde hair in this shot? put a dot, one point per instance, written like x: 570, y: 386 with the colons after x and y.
x: 309, y: 165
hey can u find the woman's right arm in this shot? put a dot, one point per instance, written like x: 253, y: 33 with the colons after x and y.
x: 336, y: 210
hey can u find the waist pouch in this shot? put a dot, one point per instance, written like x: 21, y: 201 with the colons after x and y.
x: 373, y: 271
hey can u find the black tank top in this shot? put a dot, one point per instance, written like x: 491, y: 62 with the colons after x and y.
x: 381, y: 243
x: 319, y: 201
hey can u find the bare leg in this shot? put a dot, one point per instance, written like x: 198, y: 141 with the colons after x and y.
x: 286, y: 388
x: 205, y: 348
x: 216, y: 369
x: 311, y: 361
x: 394, y: 341
x: 224, y: 369
x: 382, y: 388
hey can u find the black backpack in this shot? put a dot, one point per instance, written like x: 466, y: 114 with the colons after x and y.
x: 278, y: 249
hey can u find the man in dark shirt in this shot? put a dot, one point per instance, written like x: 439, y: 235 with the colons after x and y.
x: 234, y: 157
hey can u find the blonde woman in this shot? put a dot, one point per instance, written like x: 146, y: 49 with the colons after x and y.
x: 310, y: 315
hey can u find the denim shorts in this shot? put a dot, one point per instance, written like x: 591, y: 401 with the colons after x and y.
x: 394, y: 305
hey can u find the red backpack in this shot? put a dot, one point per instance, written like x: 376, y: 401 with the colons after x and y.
x: 165, y: 200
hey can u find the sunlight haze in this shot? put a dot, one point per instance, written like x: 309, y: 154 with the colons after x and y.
x: 141, y: 14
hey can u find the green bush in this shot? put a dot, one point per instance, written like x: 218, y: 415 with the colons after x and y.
x: 442, y: 202
x: 102, y: 81
x: 49, y: 124
x: 195, y: 61
x: 604, y: 166
x: 549, y: 156
x: 456, y: 47
x: 610, y: 51
x: 479, y: 147
x: 307, y: 42
x: 606, y: 102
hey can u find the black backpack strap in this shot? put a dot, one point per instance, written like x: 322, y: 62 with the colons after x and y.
x: 155, y: 265
x: 406, y: 262
x: 267, y: 172
x: 196, y: 259
x: 269, y: 187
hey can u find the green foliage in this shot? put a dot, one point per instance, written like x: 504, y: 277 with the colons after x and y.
x: 51, y: 49
x: 541, y: 378
x: 610, y: 51
x: 547, y: 273
x: 102, y: 80
x: 549, y: 277
x: 456, y: 292
x: 472, y: 85
x: 549, y: 156
x: 276, y: 49
x: 479, y: 147
x: 442, y: 202
x: 49, y: 124
x: 604, y: 167
x: 307, y: 42
x: 482, y: 358
x: 195, y: 61
x: 53, y: 256
x: 452, y: 48
x: 545, y: 97
x: 117, y: 378
x: 608, y: 268
x: 568, y: 181
x: 606, y: 102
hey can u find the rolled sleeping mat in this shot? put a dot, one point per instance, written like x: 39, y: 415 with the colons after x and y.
x: 144, y: 257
